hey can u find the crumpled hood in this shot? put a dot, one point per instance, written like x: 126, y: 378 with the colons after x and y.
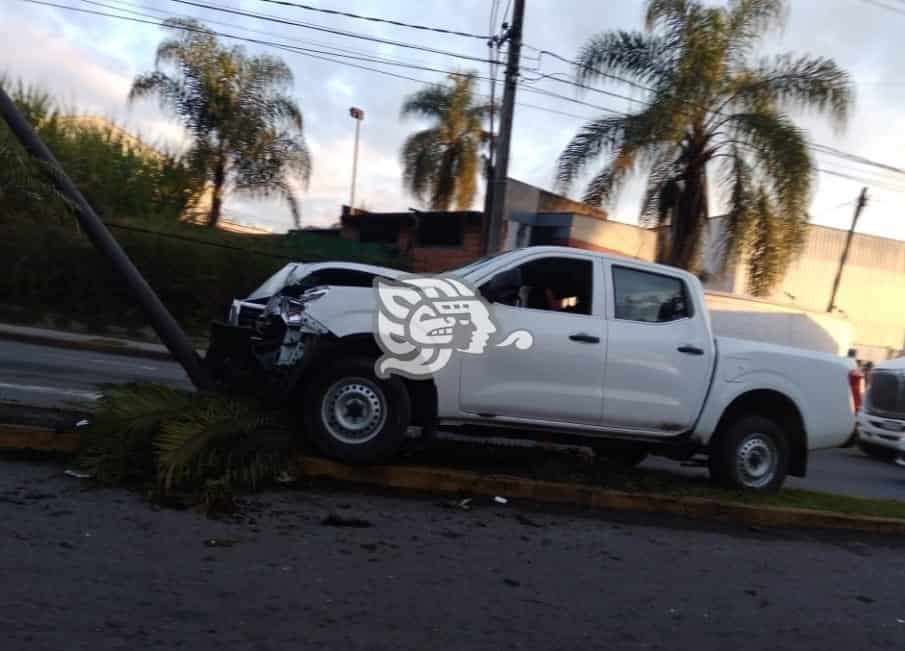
x: 345, y: 310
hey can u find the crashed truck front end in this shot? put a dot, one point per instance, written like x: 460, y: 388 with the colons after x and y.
x: 267, y: 357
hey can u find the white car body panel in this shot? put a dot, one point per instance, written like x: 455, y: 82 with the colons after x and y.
x: 815, y: 382
x: 634, y: 382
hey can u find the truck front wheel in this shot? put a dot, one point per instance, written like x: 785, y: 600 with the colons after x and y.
x: 352, y: 415
x: 751, y: 454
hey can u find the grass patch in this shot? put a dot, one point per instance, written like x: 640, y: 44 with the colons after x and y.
x: 573, y: 468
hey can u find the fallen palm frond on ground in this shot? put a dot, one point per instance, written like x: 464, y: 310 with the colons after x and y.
x: 176, y: 441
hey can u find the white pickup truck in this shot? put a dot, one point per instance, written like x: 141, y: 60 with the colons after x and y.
x: 623, y: 359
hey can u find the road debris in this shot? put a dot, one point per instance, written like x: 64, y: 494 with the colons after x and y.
x: 511, y: 582
x: 219, y: 542
x: 462, y: 505
x: 78, y: 474
x: 528, y: 522
x: 336, y: 520
x: 500, y: 500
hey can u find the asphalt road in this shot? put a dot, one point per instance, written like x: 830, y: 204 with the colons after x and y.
x: 54, y: 377
x: 100, y: 569
x: 42, y: 376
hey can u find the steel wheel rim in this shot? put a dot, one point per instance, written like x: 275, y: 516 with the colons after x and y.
x: 756, y: 460
x: 354, y: 410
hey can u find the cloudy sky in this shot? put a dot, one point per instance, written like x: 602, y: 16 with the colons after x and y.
x: 89, y: 62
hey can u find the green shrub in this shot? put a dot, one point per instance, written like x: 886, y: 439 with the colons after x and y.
x: 202, y: 443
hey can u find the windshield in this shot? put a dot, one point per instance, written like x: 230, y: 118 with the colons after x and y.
x: 275, y: 283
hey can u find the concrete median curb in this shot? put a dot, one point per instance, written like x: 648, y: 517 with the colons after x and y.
x: 463, y: 482
x: 441, y: 480
x: 94, y: 345
x: 40, y: 439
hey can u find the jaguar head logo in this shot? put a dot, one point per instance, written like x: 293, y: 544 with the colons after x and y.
x: 423, y: 320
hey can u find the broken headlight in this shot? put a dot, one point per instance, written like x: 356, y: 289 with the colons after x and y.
x: 292, y: 310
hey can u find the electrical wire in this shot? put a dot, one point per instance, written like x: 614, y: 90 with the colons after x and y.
x: 309, y: 52
x: 334, y: 57
x: 129, y: 7
x: 374, y: 19
x: 321, y: 28
x: 302, y: 52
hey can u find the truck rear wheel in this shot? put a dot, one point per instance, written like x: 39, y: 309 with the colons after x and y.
x: 352, y: 415
x: 751, y: 454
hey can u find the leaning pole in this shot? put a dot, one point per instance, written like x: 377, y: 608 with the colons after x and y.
x: 166, y: 327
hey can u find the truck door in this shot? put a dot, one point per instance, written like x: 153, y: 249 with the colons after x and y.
x: 560, y: 377
x: 660, y: 351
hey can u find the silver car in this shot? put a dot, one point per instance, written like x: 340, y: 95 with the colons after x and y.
x: 881, y: 421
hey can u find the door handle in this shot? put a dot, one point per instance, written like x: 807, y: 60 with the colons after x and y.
x: 690, y: 350
x: 585, y: 338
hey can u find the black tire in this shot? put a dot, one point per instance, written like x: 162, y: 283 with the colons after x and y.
x: 851, y: 440
x: 382, y: 411
x: 876, y: 451
x: 751, y: 454
x: 622, y: 453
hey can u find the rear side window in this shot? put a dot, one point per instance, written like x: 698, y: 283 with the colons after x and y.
x: 649, y: 297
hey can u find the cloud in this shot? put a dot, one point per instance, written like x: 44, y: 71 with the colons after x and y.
x: 90, y: 62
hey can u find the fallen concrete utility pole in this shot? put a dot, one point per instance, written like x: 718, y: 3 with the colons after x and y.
x: 166, y: 327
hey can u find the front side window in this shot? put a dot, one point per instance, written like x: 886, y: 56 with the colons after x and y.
x: 554, y: 284
x: 649, y: 297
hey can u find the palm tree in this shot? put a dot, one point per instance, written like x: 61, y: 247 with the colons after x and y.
x: 441, y: 163
x: 247, y: 133
x: 710, y: 110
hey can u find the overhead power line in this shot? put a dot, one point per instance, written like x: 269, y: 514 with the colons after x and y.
x: 883, y: 5
x: 329, y: 30
x: 342, y: 55
x: 299, y: 51
x: 374, y: 19
x: 817, y: 147
x: 132, y: 8
x: 309, y: 52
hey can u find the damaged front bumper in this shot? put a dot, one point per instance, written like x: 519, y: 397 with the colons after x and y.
x: 267, y: 358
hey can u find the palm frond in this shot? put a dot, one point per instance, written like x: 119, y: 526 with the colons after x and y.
x: 221, y: 436
x: 781, y: 154
x: 642, y: 57
x: 806, y: 83
x: 421, y: 155
x: 431, y: 102
x: 117, y: 447
x: 595, y: 138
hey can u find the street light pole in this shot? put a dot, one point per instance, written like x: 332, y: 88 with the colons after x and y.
x: 358, y: 115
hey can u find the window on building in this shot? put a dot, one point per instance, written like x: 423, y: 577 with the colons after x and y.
x: 439, y: 230
x: 556, y: 284
x: 649, y: 297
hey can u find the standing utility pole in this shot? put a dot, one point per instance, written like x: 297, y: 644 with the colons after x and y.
x: 358, y: 115
x: 501, y: 169
x: 161, y: 320
x: 493, y: 51
x: 859, y: 206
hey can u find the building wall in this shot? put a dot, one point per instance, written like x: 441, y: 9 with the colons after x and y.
x: 433, y: 259
x: 871, y: 293
x: 749, y: 318
x: 614, y: 237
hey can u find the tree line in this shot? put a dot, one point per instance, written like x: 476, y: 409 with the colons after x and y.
x: 715, y: 128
